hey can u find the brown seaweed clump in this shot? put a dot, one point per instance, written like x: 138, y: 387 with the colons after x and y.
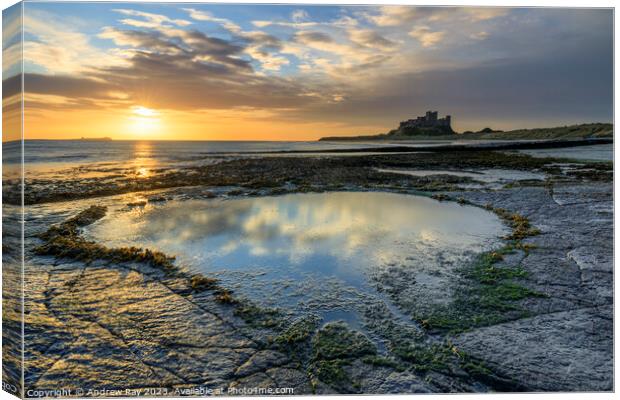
x: 64, y: 241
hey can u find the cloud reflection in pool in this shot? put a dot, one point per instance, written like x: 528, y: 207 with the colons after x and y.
x: 304, y: 237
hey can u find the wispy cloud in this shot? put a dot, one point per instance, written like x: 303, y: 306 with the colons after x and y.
x: 58, y: 49
x: 153, y: 20
x: 426, y: 36
x: 207, y: 16
x: 370, y: 38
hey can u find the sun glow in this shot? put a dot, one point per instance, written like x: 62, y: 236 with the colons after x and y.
x: 144, y: 120
x: 144, y: 112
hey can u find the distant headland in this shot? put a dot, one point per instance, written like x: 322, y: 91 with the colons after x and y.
x: 430, y: 127
x: 98, y: 139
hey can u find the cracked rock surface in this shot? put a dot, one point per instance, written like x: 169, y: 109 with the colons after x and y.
x: 108, y: 325
x: 567, y: 343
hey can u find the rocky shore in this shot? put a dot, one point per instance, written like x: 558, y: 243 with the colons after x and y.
x: 533, y: 315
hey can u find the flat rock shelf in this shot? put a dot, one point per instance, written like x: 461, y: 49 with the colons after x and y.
x: 332, y: 275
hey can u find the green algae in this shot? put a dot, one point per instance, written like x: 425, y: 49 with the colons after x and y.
x: 332, y: 373
x: 325, y: 352
x: 489, y: 295
x: 257, y: 317
x: 491, y: 290
x: 336, y: 340
x: 335, y: 346
x: 385, y: 362
x: 423, y: 358
x: 299, y: 331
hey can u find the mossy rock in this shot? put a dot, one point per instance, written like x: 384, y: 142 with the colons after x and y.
x: 423, y: 358
x: 385, y: 362
x: 336, y: 341
x: 299, y: 331
x: 332, y: 373
x: 255, y: 316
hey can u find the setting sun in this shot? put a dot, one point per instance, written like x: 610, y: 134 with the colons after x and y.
x: 144, y: 121
x: 144, y: 112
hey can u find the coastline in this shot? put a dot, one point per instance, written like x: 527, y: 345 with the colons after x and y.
x: 565, y: 283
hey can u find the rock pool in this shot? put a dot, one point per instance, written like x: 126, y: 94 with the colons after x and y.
x: 324, y: 253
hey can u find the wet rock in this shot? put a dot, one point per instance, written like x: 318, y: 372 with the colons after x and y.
x: 565, y: 351
x: 252, y: 382
x: 291, y: 378
x: 157, y: 199
x: 261, y: 361
x: 386, y: 380
x: 112, y: 325
x: 402, y: 382
x: 140, y: 203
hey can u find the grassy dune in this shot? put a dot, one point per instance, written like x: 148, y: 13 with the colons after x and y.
x: 561, y: 132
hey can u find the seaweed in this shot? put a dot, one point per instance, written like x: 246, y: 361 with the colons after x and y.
x: 299, y: 331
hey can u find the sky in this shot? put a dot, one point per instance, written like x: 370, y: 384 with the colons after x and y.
x: 297, y: 72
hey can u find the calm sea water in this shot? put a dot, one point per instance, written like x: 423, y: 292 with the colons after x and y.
x: 58, y: 159
x: 83, y: 151
x: 599, y: 152
x: 55, y: 158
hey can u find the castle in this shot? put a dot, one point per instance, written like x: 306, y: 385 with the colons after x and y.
x: 430, y: 120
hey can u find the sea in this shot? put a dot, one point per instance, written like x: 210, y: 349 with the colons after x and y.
x: 44, y: 157
x: 57, y: 157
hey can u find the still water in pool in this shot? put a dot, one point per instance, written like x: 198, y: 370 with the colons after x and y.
x: 305, y: 250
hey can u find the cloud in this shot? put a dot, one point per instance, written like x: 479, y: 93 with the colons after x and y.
x: 479, y: 35
x: 299, y: 21
x: 399, y: 15
x: 206, y: 16
x: 59, y: 49
x: 68, y: 86
x: 12, y: 59
x: 313, y: 37
x: 507, y: 93
x: 140, y: 40
x: 268, y: 61
x: 426, y: 36
x: 261, y: 46
x: 370, y: 38
x: 344, y: 57
x: 11, y: 41
x: 297, y: 25
x: 262, y: 38
x: 393, y: 15
x: 189, y: 45
x: 153, y: 20
x: 299, y: 15
x: 484, y: 13
x: 341, y: 71
x: 180, y: 69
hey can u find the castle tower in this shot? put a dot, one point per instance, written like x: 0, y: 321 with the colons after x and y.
x: 431, y: 116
